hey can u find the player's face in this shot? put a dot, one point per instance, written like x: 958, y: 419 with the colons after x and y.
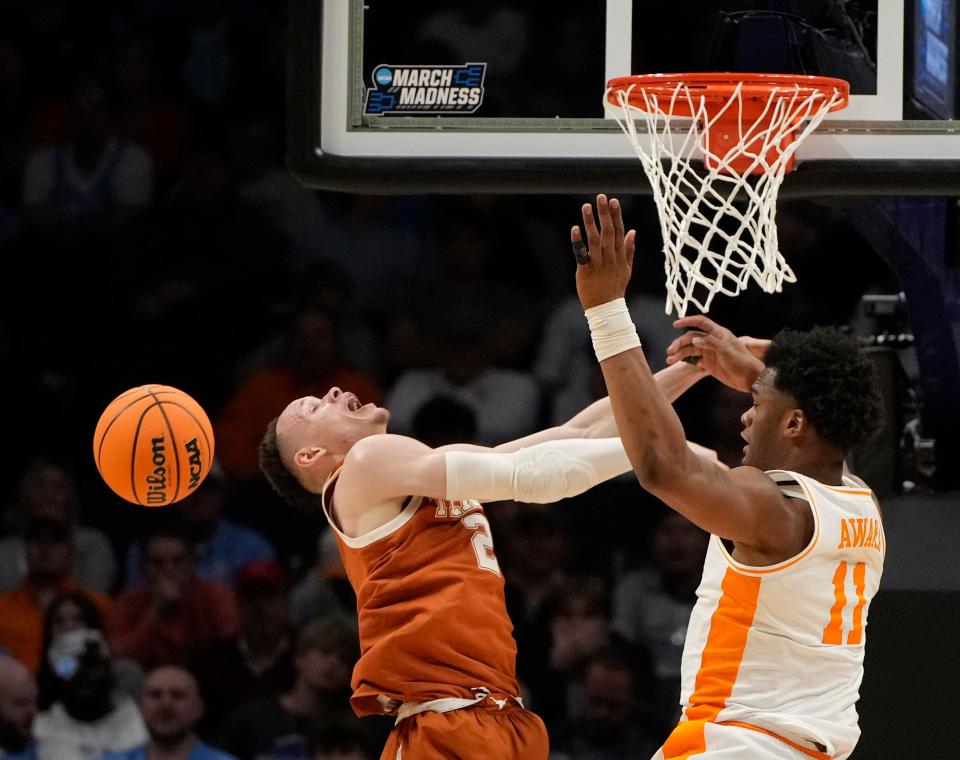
x: 763, y: 423
x: 334, y: 421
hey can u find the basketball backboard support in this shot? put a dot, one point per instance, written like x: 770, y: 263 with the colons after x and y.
x: 427, y: 97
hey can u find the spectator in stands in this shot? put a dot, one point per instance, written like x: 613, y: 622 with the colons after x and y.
x: 92, y: 178
x: 505, y: 402
x: 442, y: 421
x: 171, y: 707
x: 613, y: 724
x: 258, y: 662
x: 324, y: 590
x: 323, y: 285
x: 471, y: 282
x: 565, y: 364
x: 174, y: 615
x: 144, y: 113
x: 312, y: 361
x: 49, y: 555
x: 18, y: 708
x: 652, y: 604
x: 265, y: 185
x: 368, y: 226
x: 579, y: 620
x: 324, y: 655
x: 339, y: 741
x: 48, y: 487
x: 87, y: 718
x: 534, y: 556
x: 72, y: 611
x: 222, y: 546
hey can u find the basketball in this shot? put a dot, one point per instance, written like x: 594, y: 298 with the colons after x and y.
x: 153, y: 445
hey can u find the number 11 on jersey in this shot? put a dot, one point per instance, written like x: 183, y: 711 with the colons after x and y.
x: 833, y: 633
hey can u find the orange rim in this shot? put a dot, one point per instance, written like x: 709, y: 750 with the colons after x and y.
x: 717, y: 88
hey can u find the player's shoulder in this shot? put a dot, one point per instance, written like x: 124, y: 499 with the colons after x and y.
x: 379, y: 453
x: 754, y: 477
x: 766, y: 489
x: 376, y: 447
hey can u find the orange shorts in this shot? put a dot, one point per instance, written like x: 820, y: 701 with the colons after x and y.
x: 480, y: 732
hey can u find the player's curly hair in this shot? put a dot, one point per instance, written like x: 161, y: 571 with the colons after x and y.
x: 833, y: 382
x: 278, y: 474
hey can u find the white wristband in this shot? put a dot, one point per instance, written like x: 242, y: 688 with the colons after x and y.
x: 611, y: 329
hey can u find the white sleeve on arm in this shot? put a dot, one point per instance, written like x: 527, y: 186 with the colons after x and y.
x: 538, y: 474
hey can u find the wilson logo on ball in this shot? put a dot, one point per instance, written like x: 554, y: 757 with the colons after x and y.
x: 157, y: 480
x: 153, y: 445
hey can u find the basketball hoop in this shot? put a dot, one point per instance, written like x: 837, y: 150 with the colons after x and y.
x: 747, y: 128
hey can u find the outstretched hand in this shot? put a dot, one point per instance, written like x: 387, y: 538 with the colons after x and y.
x: 735, y: 362
x: 603, y: 269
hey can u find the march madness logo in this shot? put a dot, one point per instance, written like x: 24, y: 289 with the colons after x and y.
x: 426, y: 89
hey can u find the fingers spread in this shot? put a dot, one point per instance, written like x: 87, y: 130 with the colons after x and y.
x: 580, y: 252
x: 590, y: 227
x: 616, y: 214
x: 606, y: 224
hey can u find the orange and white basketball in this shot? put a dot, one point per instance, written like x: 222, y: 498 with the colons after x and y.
x: 153, y: 445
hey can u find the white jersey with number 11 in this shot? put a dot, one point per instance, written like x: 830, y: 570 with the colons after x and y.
x: 779, y: 649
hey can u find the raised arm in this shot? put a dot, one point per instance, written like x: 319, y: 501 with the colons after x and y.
x: 596, y: 420
x: 744, y: 504
x: 381, y: 470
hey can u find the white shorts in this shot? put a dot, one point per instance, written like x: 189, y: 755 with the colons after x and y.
x: 721, y: 742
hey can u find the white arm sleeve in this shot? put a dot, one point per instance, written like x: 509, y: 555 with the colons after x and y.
x: 538, y: 474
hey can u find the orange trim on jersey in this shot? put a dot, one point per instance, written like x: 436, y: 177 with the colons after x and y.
x: 688, y: 738
x: 726, y: 640
x: 850, y: 491
x: 740, y: 567
x: 799, y: 747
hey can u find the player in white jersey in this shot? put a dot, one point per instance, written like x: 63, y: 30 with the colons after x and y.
x: 773, y: 658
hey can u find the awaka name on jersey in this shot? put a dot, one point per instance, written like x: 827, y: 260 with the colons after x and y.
x: 426, y: 89
x: 860, y: 531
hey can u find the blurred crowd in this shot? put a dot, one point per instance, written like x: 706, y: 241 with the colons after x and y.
x: 200, y: 635
x: 150, y: 234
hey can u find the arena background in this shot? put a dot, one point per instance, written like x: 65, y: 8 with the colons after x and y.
x: 195, y: 260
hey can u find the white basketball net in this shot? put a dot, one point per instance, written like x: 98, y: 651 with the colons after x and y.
x: 711, y: 245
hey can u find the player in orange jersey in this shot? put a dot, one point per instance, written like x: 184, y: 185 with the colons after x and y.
x: 436, y: 644
x: 774, y: 651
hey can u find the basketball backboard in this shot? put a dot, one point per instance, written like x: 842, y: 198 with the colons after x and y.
x: 425, y: 96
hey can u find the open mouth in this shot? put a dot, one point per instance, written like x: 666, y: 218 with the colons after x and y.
x: 353, y: 404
